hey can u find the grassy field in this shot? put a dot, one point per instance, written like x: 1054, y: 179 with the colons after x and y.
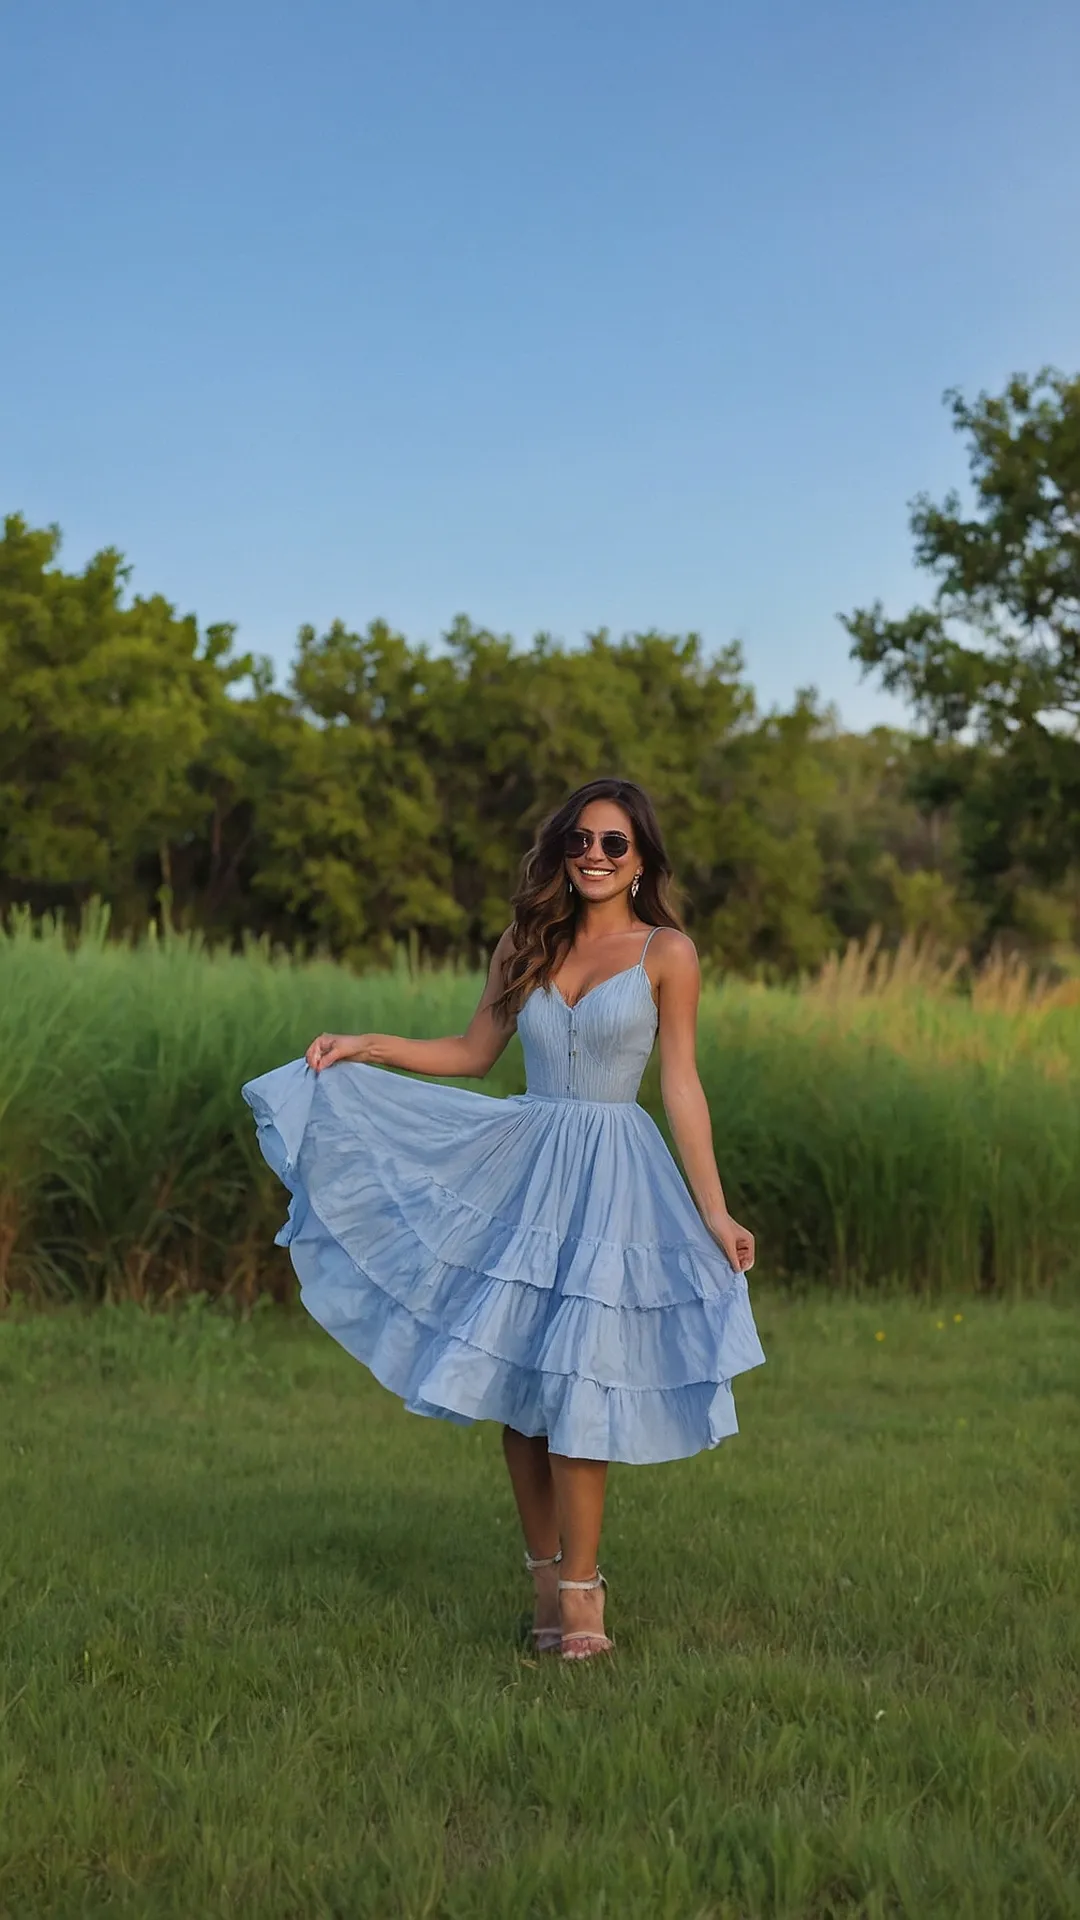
x: 875, y: 1129
x: 259, y: 1657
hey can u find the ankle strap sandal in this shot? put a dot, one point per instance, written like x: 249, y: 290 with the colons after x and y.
x: 587, y: 1642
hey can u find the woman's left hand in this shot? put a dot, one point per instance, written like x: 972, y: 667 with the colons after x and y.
x: 735, y: 1241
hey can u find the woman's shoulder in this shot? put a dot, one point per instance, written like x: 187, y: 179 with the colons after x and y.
x: 670, y: 958
x: 672, y: 946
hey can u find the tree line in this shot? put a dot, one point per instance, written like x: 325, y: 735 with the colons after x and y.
x: 386, y: 790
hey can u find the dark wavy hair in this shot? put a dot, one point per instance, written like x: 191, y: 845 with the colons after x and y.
x: 546, y: 908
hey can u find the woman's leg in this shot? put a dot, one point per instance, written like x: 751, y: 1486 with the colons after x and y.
x: 580, y: 1486
x: 530, y: 1476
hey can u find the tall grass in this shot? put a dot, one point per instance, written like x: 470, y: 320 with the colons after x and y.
x: 874, y: 1127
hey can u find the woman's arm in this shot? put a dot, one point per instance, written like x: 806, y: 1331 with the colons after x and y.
x: 679, y: 986
x: 465, y: 1056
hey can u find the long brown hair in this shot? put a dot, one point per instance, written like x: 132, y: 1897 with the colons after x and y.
x: 546, y: 908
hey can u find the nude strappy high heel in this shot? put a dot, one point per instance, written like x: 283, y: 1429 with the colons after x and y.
x: 599, y: 1641
x: 545, y: 1639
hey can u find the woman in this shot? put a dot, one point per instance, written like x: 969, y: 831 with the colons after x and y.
x: 538, y: 1260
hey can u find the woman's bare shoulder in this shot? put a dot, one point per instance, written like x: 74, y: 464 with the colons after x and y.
x: 675, y: 951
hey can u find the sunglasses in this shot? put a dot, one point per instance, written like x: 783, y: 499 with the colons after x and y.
x: 577, y: 842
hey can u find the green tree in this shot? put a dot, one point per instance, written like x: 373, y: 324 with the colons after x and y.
x: 996, y: 657
x: 887, y: 833
x: 104, y: 710
x: 352, y: 836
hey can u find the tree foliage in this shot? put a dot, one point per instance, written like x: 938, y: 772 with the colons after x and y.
x: 386, y: 791
x: 992, y: 665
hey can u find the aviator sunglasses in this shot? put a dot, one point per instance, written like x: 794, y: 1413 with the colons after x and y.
x: 578, y: 840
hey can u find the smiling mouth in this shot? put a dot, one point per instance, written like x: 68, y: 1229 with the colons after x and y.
x: 596, y: 873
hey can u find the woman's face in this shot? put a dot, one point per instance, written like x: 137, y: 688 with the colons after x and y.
x: 597, y: 873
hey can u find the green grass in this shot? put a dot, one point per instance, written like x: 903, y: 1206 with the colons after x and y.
x: 259, y: 1651
x: 909, y: 1137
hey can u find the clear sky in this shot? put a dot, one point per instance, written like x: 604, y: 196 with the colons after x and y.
x: 606, y: 313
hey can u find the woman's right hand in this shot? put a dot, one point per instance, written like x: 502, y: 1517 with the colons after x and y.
x: 329, y: 1048
x: 736, y: 1242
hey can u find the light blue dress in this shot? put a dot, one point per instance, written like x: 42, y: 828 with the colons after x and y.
x: 536, y: 1260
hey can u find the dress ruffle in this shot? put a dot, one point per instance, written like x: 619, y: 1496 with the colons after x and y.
x: 533, y: 1261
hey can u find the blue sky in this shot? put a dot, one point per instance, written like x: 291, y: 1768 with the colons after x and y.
x: 595, y: 314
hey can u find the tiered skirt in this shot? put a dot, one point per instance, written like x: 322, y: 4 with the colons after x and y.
x: 533, y: 1261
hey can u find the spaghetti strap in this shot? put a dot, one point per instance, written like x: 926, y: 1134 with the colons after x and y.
x: 645, y: 948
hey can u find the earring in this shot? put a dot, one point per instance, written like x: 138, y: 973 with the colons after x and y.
x: 634, y: 885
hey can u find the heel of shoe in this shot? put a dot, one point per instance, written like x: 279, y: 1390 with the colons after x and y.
x: 544, y: 1639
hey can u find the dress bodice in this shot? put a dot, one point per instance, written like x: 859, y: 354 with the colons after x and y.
x: 594, y: 1050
